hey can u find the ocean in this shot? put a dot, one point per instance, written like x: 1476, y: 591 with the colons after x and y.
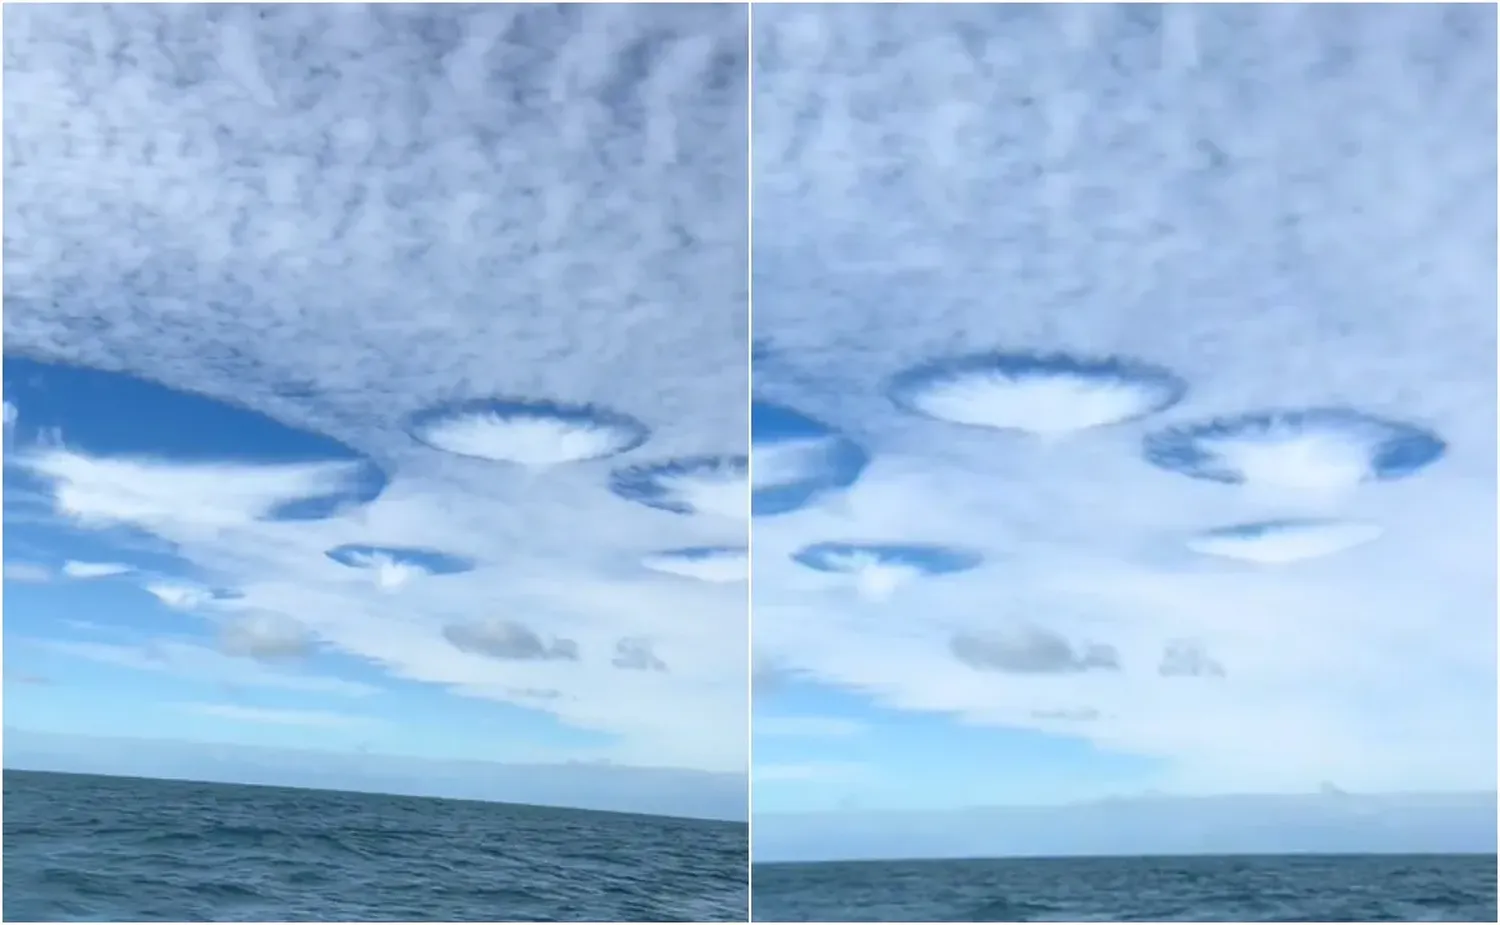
x: 1267, y: 888
x: 86, y: 848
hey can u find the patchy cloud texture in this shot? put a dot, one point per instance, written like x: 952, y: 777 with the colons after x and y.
x: 341, y: 217
x: 1285, y: 206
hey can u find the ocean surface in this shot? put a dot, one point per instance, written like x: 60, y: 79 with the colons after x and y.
x: 84, y: 848
x: 1270, y: 888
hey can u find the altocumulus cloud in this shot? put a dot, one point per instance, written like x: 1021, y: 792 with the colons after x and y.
x: 1075, y: 335
x: 446, y: 338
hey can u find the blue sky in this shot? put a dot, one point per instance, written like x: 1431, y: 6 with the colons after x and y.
x: 1182, y: 321
x: 327, y: 332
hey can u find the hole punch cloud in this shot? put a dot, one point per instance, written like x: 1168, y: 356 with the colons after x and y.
x: 114, y: 446
x: 715, y: 485
x: 1311, y: 450
x: 715, y: 564
x: 1277, y: 542
x: 535, y: 434
x: 796, y: 461
x: 393, y: 567
x: 878, y: 569
x: 1045, y: 395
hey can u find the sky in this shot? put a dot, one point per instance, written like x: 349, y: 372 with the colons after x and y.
x: 1122, y: 407
x: 1163, y: 342
x: 351, y: 354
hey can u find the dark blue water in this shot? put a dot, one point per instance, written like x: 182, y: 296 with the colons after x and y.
x: 1319, y: 888
x: 85, y: 848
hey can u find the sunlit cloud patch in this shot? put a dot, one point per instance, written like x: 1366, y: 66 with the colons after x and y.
x: 718, y: 485
x: 1315, y: 450
x: 395, y: 566
x: 535, y: 434
x: 74, y: 422
x: 1275, y: 542
x: 1041, y: 394
x: 87, y: 570
x: 182, y: 595
x: 878, y: 569
x: 797, y: 460
x: 717, y: 564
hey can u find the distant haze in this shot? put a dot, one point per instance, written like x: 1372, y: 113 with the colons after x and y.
x: 581, y: 785
x: 1325, y: 823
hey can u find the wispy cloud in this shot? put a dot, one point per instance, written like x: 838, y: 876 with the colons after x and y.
x: 27, y: 572
x: 74, y: 569
x: 199, y: 663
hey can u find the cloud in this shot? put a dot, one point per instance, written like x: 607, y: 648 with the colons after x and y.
x: 599, y: 243
x: 179, y: 595
x: 636, y: 655
x: 507, y: 639
x: 74, y: 569
x: 265, y: 636
x: 28, y: 572
x: 1187, y: 659
x: 274, y: 717
x: 933, y: 184
x: 1031, y: 650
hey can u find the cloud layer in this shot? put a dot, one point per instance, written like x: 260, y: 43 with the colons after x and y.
x: 1088, y: 283
x: 378, y: 225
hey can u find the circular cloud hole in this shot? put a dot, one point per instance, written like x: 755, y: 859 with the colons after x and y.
x: 55, y: 407
x: 1315, y: 450
x: 394, y: 566
x: 717, y: 564
x: 878, y: 569
x: 797, y: 460
x: 1276, y: 542
x: 1041, y: 394
x: 528, y: 433
x: 718, y: 485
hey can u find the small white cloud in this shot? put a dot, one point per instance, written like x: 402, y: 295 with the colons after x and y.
x: 179, y: 596
x: 74, y: 569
